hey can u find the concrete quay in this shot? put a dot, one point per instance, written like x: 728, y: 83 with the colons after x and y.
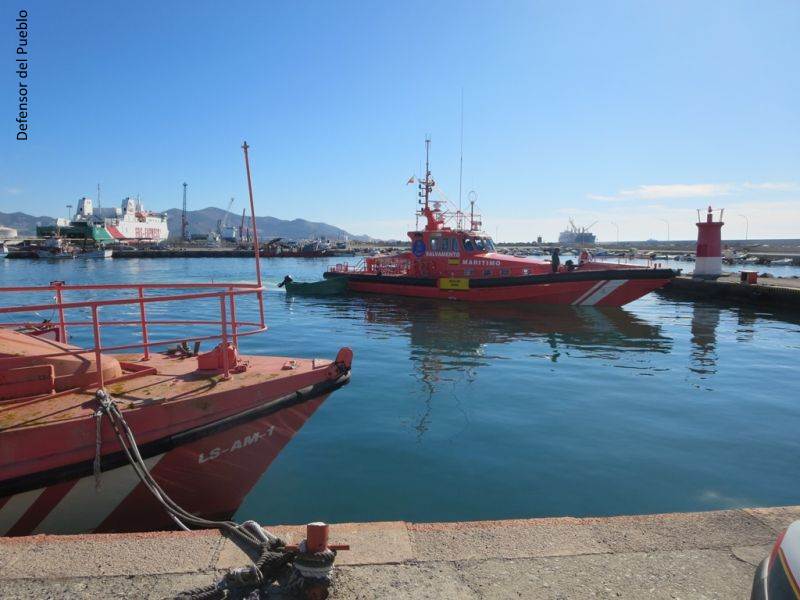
x: 776, y: 292
x: 707, y: 555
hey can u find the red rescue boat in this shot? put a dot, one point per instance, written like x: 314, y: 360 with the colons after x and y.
x: 207, y: 424
x: 451, y: 259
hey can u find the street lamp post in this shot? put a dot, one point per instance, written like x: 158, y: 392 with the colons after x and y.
x: 667, y: 224
x: 746, y: 227
x: 69, y: 211
x: 617, y: 228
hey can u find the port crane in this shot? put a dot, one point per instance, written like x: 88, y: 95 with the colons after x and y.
x: 223, y: 230
x: 184, y: 217
x: 576, y: 229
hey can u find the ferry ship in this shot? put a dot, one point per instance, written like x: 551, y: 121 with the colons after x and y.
x: 451, y: 258
x: 130, y: 222
x: 105, y: 225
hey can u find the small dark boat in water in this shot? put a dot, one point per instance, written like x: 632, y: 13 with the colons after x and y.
x: 326, y: 287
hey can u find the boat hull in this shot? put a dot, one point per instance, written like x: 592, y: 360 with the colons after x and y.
x: 593, y: 288
x: 53, y: 255
x: 96, y: 254
x: 208, y: 471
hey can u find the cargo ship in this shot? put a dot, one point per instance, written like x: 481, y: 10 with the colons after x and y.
x: 452, y: 259
x: 577, y: 236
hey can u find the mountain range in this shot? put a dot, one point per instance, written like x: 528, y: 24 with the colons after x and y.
x: 205, y: 220
x: 25, y: 224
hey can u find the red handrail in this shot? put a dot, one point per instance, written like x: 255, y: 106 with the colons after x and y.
x: 225, y: 293
x: 387, y: 265
x: 222, y: 291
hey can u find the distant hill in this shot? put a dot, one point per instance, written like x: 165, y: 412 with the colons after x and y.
x: 204, y: 220
x: 23, y: 223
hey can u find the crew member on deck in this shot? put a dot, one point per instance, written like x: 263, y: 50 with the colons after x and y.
x: 555, y: 260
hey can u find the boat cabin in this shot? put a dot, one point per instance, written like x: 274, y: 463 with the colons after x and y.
x: 453, y: 253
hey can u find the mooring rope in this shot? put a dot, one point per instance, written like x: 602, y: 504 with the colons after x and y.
x: 274, y: 556
x: 179, y: 515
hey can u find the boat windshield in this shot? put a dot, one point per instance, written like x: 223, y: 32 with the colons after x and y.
x: 478, y: 244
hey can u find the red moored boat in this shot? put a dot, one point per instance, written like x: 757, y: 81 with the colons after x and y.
x: 207, y: 424
x: 450, y: 261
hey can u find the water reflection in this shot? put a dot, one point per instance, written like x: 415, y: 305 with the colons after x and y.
x: 746, y: 324
x: 463, y: 331
x: 449, y: 343
x: 705, y: 320
x: 450, y: 336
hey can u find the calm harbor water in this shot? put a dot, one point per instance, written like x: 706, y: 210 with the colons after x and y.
x: 459, y: 411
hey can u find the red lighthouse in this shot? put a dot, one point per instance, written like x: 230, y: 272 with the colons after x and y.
x: 709, y: 245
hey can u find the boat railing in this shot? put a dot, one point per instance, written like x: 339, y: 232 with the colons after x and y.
x: 388, y: 265
x: 359, y: 267
x: 378, y: 265
x: 231, y: 328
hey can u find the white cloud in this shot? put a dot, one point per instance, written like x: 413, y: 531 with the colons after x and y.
x: 693, y: 190
x: 604, y: 198
x: 678, y: 190
x: 13, y: 191
x: 782, y: 186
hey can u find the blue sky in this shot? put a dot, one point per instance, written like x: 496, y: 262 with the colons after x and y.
x: 624, y: 112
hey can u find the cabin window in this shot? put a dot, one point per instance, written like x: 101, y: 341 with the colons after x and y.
x: 479, y: 244
x: 489, y: 244
x: 453, y: 244
x: 436, y: 243
x: 467, y: 272
x: 503, y: 272
x: 468, y: 245
x: 487, y: 272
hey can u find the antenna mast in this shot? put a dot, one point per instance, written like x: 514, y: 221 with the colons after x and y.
x: 472, y: 214
x: 432, y: 217
x: 427, y: 171
x: 184, y: 218
x: 461, y: 161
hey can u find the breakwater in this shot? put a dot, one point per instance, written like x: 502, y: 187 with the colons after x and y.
x: 777, y: 292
